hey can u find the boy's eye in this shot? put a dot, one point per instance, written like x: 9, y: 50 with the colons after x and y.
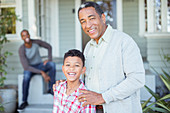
x: 67, y: 64
x: 77, y: 65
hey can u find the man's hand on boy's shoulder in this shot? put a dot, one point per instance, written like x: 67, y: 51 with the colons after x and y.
x: 90, y: 97
x: 57, y: 83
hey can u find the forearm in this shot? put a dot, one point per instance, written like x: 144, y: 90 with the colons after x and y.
x: 124, y: 89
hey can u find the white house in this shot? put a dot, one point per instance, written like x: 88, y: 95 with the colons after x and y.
x: 56, y: 21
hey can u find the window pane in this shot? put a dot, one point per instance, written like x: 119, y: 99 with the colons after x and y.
x: 168, y: 16
x: 158, y: 15
x: 6, y: 14
x: 146, y: 26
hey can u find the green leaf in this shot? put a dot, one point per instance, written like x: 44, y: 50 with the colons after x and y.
x: 163, y: 106
x: 146, y: 102
x: 166, y: 74
x: 159, y: 109
x: 152, y: 93
x: 165, y: 97
x: 166, y: 82
x: 148, y: 107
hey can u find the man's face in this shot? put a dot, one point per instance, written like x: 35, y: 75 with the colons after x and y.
x: 25, y: 36
x: 93, y: 25
x: 73, y: 68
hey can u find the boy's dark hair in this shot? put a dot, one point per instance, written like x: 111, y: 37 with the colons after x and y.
x: 74, y: 52
x: 91, y: 4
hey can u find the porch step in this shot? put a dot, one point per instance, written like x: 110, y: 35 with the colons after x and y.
x: 38, y: 108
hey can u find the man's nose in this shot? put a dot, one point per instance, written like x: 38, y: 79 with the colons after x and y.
x: 88, y: 25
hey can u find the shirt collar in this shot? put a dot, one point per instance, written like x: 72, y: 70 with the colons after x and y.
x: 106, y: 36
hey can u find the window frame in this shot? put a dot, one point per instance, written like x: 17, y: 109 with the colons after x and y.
x: 18, y: 10
x: 151, y: 25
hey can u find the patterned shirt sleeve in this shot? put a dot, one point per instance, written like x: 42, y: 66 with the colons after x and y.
x: 88, y: 109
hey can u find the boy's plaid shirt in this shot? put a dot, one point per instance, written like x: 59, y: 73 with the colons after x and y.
x: 70, y: 103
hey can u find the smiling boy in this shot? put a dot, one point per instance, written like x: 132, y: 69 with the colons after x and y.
x: 65, y: 95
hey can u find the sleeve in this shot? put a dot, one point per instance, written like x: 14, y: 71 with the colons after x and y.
x: 88, y: 109
x: 25, y: 63
x: 134, y: 74
x: 47, y: 46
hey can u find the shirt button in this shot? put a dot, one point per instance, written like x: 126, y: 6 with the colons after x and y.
x: 89, y: 78
x: 91, y: 68
x: 93, y: 56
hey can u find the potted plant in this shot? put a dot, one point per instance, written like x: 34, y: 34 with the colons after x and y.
x: 162, y: 103
x: 7, y: 94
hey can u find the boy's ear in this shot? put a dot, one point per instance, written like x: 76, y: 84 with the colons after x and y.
x: 83, y: 70
x: 63, y: 68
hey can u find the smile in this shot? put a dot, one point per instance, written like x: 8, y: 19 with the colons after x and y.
x: 71, y: 74
x: 91, y: 31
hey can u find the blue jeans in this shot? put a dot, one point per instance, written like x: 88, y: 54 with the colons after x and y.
x: 49, y: 67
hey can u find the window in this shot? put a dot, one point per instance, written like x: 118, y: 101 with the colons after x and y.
x: 154, y: 16
x: 7, y: 7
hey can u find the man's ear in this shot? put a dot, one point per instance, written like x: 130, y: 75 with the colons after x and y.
x: 103, y: 18
x: 83, y: 70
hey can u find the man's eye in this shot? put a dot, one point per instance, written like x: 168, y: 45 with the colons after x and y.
x: 77, y: 65
x: 82, y: 22
x: 67, y: 64
x: 92, y: 18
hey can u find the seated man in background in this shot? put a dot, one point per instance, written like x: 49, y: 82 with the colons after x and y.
x: 32, y: 63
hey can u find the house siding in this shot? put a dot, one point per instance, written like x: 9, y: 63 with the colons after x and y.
x: 13, y: 62
x: 66, y: 26
x: 131, y: 23
x: 156, y: 47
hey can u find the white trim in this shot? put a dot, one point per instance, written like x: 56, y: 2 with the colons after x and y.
x: 32, y: 18
x: 6, y: 6
x: 141, y: 18
x: 164, y: 9
x: 157, y: 35
x: 119, y: 15
x: 19, y: 24
x: 150, y: 16
x: 78, y: 31
x: 54, y: 4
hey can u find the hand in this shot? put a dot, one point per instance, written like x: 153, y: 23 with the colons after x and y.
x: 90, y: 97
x: 57, y: 83
x: 45, y: 62
x: 45, y: 76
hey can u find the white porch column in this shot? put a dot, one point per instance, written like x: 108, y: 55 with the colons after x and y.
x: 119, y: 15
x: 18, y: 11
x: 54, y: 4
x: 141, y: 18
x: 78, y: 32
x: 164, y: 9
x: 32, y: 18
x: 150, y: 15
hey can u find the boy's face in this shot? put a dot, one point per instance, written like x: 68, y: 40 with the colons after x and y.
x: 73, y: 68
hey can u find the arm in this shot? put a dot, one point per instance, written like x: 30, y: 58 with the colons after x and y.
x: 24, y: 61
x: 47, y: 46
x: 134, y: 74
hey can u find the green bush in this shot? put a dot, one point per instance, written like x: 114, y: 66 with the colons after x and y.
x: 162, y: 103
